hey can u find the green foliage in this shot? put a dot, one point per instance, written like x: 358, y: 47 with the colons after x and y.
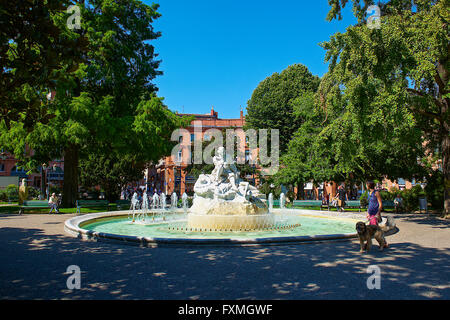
x: 364, y: 199
x: 266, y: 189
x: 434, y: 190
x: 387, y: 195
x: 107, y: 104
x: 110, y: 171
x: 272, y: 103
x: 12, y: 192
x: 35, y: 48
x: 53, y: 189
x: 411, y: 198
x: 33, y: 192
x: 386, y: 92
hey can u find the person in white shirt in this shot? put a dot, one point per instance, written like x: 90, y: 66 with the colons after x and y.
x: 53, y: 203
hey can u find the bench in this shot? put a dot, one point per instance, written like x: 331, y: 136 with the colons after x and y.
x: 353, y: 204
x: 309, y: 203
x: 33, y: 204
x: 91, y: 204
x: 123, y: 203
x: 388, y: 204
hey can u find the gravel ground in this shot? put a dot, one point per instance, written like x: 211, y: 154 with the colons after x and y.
x: 35, y: 253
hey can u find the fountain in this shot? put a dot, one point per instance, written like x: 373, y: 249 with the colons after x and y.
x: 282, y: 201
x: 162, y: 201
x: 225, y: 210
x: 270, y: 200
x: 155, y: 201
x: 184, y: 199
x: 174, y: 200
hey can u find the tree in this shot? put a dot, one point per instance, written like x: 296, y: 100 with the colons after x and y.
x: 307, y: 157
x: 110, y: 171
x: 388, y: 90
x: 35, y: 46
x: 271, y: 104
x: 108, y: 104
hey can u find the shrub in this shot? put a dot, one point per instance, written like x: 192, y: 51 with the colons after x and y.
x: 386, y: 195
x: 364, y: 199
x: 3, y: 195
x: 33, y: 193
x: 411, y: 197
x: 12, y: 192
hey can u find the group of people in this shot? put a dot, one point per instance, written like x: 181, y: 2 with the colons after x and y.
x: 338, y: 200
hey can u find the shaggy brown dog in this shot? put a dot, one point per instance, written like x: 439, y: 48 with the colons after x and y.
x: 366, y: 233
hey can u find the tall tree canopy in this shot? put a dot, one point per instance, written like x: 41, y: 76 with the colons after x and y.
x: 387, y: 90
x: 308, y: 157
x: 107, y: 108
x: 35, y: 46
x: 271, y: 104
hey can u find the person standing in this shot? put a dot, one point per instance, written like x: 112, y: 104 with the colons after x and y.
x: 342, y: 197
x: 375, y: 204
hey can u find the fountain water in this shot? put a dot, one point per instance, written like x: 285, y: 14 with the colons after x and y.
x: 282, y: 201
x: 174, y: 200
x: 162, y: 201
x: 270, y: 200
x: 134, y: 205
x: 184, y: 199
x: 155, y: 203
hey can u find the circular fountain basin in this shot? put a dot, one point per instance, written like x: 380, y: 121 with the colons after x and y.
x: 171, y: 227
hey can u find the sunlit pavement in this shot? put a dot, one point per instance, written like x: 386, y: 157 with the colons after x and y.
x: 35, y: 253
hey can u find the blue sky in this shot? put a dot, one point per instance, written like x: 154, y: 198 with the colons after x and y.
x: 216, y: 52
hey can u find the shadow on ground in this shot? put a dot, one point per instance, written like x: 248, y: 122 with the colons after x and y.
x: 33, y: 265
x: 430, y: 220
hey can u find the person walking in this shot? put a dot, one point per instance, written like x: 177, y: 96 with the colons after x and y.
x: 375, y: 205
x: 53, y: 203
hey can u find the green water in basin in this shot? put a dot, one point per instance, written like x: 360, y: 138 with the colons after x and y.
x: 157, y: 228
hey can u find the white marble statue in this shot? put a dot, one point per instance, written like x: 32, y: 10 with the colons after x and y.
x: 223, y: 182
x: 223, y: 201
x: 223, y: 192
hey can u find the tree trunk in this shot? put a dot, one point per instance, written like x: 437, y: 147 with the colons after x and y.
x: 300, y: 191
x: 70, y: 189
x: 446, y: 173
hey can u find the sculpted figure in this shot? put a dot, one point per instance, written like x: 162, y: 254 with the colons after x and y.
x: 23, y: 192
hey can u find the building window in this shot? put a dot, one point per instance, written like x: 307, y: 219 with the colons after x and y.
x: 2, y: 167
x: 180, y: 156
x: 192, y: 137
x: 180, y: 139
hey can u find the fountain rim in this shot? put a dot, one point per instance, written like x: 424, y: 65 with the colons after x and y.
x: 73, y: 226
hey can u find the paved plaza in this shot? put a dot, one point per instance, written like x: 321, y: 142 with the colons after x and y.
x: 35, y: 253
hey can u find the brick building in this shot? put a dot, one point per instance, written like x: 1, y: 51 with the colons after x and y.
x: 169, y: 174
